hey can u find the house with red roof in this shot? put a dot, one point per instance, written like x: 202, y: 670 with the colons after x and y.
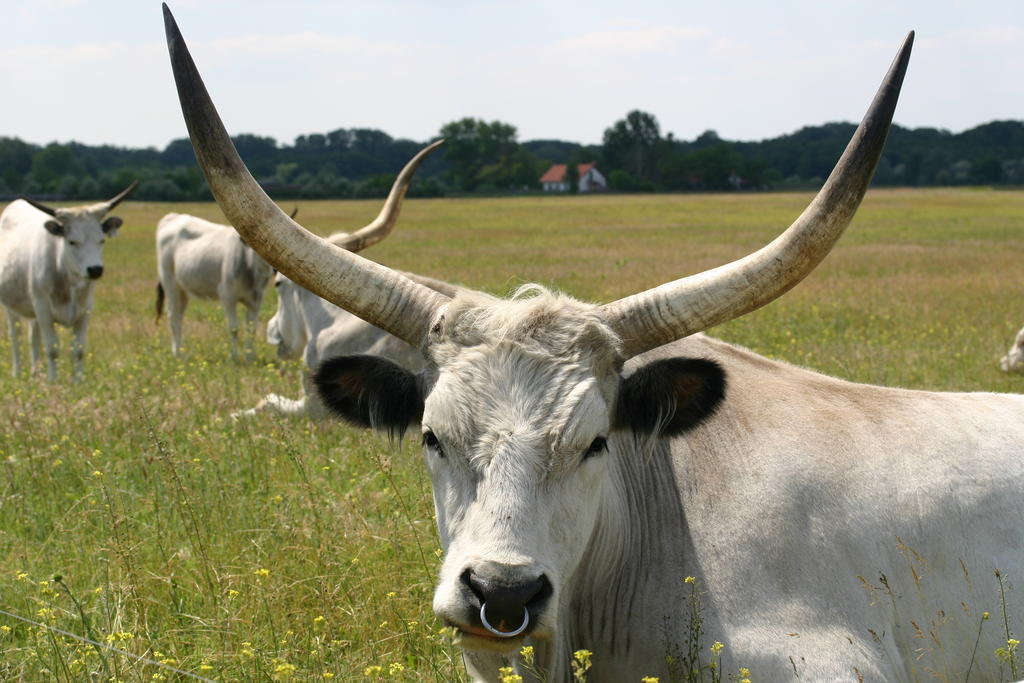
x: 590, y: 179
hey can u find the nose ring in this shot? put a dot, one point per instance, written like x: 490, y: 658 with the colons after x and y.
x: 504, y: 634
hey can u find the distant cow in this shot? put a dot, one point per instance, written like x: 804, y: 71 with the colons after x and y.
x: 306, y: 325
x: 1013, y: 361
x: 315, y: 329
x: 198, y: 258
x: 50, y: 260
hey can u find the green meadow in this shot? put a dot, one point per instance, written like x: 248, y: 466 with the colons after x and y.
x: 276, y: 549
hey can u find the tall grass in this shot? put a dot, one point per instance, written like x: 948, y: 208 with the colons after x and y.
x: 277, y: 549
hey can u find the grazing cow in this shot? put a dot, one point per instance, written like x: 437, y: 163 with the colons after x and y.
x: 308, y: 326
x: 198, y: 258
x: 586, y: 458
x: 1013, y: 361
x: 315, y: 329
x: 50, y: 260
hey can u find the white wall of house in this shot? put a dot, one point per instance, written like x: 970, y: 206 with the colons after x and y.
x: 592, y: 181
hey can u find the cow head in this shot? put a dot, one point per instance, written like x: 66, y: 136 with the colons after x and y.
x: 286, y: 329
x: 83, y: 231
x: 522, y: 402
x: 516, y: 409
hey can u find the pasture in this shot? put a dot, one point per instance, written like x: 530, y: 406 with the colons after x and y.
x: 279, y: 548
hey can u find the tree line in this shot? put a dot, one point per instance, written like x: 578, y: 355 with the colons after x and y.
x: 487, y: 157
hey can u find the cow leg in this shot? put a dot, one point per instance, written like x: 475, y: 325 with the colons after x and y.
x: 81, y: 330
x: 14, y: 328
x: 275, y: 403
x: 177, y: 302
x: 252, y: 316
x: 231, y: 314
x: 45, y: 322
x: 35, y: 337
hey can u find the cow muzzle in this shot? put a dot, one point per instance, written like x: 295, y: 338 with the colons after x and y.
x: 94, y: 272
x: 509, y: 603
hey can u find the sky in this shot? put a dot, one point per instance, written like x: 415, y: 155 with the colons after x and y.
x: 97, y: 71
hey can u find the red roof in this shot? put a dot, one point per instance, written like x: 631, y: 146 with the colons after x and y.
x: 556, y: 174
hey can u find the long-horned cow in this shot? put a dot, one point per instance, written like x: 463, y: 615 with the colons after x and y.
x: 586, y: 458
x: 307, y: 326
x: 206, y: 260
x: 50, y: 260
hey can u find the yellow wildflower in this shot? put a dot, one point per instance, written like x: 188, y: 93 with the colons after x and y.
x: 5, y: 629
x: 232, y: 593
x: 984, y: 616
x: 689, y: 579
x: 527, y: 654
x: 205, y: 667
x: 97, y: 473
x: 318, y: 619
x: 328, y: 674
x: 396, y: 668
x: 262, y: 572
x: 649, y: 679
x: 717, y: 647
x: 373, y: 671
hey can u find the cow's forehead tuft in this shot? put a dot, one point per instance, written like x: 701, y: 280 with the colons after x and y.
x: 534, y: 318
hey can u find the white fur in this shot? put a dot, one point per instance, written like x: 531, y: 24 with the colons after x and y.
x: 44, y: 277
x: 308, y: 326
x: 1013, y: 361
x: 789, y: 506
x: 198, y: 258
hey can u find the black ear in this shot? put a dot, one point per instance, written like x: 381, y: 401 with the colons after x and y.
x: 111, y: 224
x: 54, y: 228
x: 670, y: 396
x: 370, y: 392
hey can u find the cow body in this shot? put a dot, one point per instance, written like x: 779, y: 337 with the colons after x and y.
x: 309, y: 327
x: 835, y: 530
x: 206, y: 260
x: 49, y: 263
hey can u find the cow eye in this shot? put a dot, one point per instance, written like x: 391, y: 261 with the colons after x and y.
x: 597, y: 446
x: 431, y: 442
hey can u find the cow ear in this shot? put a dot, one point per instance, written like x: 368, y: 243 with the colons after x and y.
x: 370, y: 391
x: 55, y: 228
x: 110, y: 226
x: 670, y: 396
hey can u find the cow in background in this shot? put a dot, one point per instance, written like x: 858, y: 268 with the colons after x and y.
x: 1013, y: 361
x: 206, y: 260
x: 50, y: 260
x: 306, y: 325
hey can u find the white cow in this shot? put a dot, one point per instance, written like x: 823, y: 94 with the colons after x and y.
x: 315, y: 329
x: 206, y: 260
x: 50, y: 260
x: 306, y: 325
x: 586, y: 458
x: 1013, y: 361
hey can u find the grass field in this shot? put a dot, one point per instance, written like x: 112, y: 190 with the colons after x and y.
x: 276, y: 549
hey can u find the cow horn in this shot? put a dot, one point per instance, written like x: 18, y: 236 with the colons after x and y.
x: 121, y: 196
x: 385, y: 221
x: 691, y: 304
x: 42, y: 207
x: 375, y: 293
